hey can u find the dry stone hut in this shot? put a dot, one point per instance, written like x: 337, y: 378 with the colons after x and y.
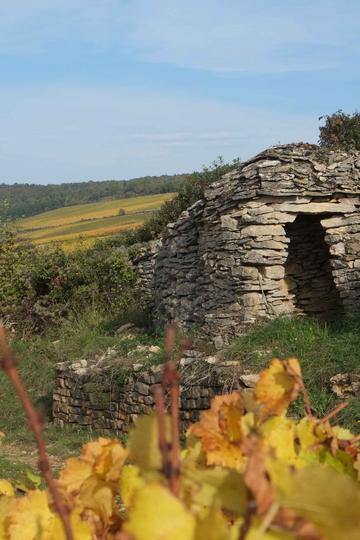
x: 278, y: 235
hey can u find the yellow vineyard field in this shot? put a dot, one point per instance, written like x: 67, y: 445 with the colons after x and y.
x: 89, y: 221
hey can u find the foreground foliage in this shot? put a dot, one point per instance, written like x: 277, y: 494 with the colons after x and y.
x: 247, y: 471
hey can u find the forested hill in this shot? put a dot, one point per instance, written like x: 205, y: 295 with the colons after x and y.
x: 30, y: 199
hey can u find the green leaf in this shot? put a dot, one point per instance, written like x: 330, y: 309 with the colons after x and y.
x: 35, y: 479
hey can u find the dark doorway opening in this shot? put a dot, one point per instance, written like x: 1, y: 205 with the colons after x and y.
x: 307, y: 269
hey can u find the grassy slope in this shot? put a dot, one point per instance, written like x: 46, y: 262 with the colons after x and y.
x: 323, y: 351
x: 93, y: 228
x: 76, y: 338
x: 90, y: 220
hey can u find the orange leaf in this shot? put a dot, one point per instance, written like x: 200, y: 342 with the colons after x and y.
x: 221, y: 430
x: 278, y: 386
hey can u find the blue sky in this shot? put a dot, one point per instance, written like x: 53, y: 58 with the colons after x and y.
x: 99, y: 89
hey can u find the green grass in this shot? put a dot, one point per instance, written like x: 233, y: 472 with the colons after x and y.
x: 13, y: 470
x: 323, y: 350
x: 79, y: 337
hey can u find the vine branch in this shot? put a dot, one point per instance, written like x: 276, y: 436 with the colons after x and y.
x: 170, y: 452
x: 8, y: 364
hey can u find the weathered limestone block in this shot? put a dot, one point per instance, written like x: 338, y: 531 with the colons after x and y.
x: 228, y: 222
x: 262, y: 230
x: 274, y: 272
x: 345, y: 385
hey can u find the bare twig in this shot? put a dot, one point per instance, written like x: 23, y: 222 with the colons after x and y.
x: 303, y: 390
x: 160, y: 413
x: 244, y: 529
x: 175, y: 435
x: 355, y: 439
x: 306, y: 400
x: 333, y: 413
x: 170, y: 381
x: 8, y: 364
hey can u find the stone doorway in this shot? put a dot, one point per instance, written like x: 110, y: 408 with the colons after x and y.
x: 308, y: 271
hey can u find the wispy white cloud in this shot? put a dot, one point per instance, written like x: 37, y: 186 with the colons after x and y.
x: 56, y: 133
x: 221, y: 36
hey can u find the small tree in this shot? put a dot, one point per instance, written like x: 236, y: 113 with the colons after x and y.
x: 341, y: 130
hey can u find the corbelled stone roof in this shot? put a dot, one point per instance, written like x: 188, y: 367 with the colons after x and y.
x: 292, y: 169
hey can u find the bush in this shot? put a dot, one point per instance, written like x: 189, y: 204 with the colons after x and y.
x: 15, y: 262
x: 42, y: 285
x: 341, y: 130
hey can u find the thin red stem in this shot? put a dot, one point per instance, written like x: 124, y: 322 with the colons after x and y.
x: 333, y: 413
x: 175, y: 437
x: 170, y: 453
x: 8, y: 364
x: 163, y: 445
x: 306, y: 401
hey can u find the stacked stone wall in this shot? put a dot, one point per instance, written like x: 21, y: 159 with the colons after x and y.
x: 222, y: 265
x: 143, y: 257
x: 109, y: 399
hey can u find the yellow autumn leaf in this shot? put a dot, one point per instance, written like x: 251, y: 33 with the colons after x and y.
x: 97, y: 495
x: 278, y: 386
x: 307, y: 435
x: 6, y: 488
x: 6, y: 504
x: 278, y: 434
x: 143, y: 443
x: 100, y: 460
x: 157, y: 515
x: 82, y: 530
x: 74, y: 474
x: 280, y: 475
x: 130, y: 483
x: 221, y: 430
x: 212, y: 526
x: 214, y: 486
x: 107, y: 456
x: 327, y: 499
x: 30, y: 517
x: 255, y: 533
x: 357, y: 466
x: 342, y: 433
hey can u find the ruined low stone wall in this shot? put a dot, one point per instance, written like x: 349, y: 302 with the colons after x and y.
x: 109, y: 399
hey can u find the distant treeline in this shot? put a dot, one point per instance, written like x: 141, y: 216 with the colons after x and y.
x: 30, y: 199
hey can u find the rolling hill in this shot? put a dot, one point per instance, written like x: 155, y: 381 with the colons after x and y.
x: 88, y: 222
x: 24, y: 200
